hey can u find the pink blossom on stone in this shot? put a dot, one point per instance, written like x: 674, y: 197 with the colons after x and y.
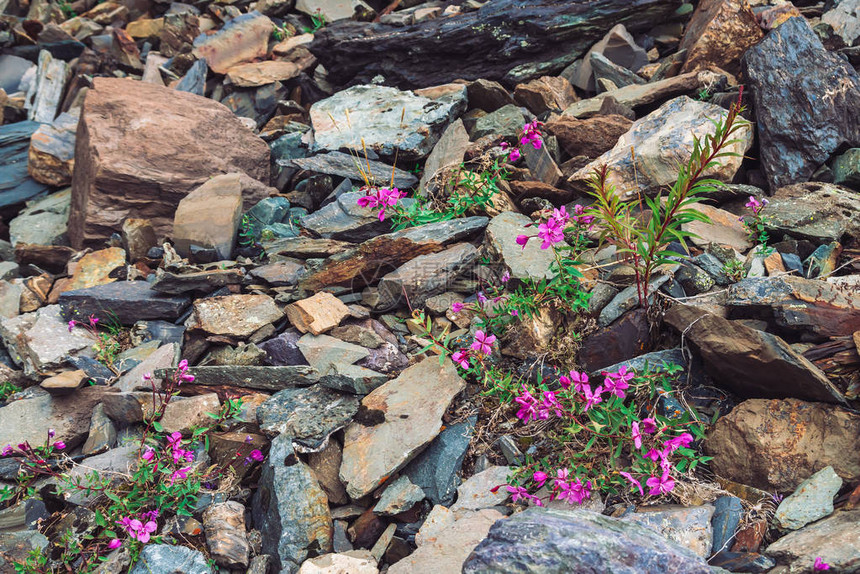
x: 820, y: 565
x: 60, y: 445
x: 461, y: 359
x: 71, y: 325
x: 528, y: 406
x: 180, y: 474
x: 148, y: 454
x: 674, y: 444
x: 7, y: 450
x: 256, y: 455
x: 560, y: 477
x: 515, y: 155
x: 456, y: 307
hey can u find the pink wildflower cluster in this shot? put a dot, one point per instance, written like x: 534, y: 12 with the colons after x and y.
x: 530, y: 135
x: 551, y: 231
x: 482, y: 345
x: 173, y: 454
x: 35, y: 455
x: 664, y: 483
x: 381, y: 197
x: 93, y: 323
x: 139, y: 528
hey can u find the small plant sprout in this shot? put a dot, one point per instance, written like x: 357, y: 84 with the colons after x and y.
x: 756, y: 225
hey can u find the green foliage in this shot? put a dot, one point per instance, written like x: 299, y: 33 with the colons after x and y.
x: 66, y: 8
x: 7, y: 389
x: 472, y: 191
x: 644, y: 240
x: 734, y: 269
x: 318, y: 21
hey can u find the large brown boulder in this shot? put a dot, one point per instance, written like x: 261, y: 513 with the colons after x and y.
x: 141, y: 148
x: 776, y: 445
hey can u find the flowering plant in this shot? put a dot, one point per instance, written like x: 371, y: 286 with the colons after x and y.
x: 756, y: 225
x: 128, y: 508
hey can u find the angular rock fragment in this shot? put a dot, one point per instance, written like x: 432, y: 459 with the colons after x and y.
x: 800, y: 124
x: 617, y: 46
x: 16, y: 185
x: 46, y: 92
x: 242, y: 39
x: 163, y: 558
x: 529, y: 262
x: 834, y: 539
x: 208, y: 217
x: 43, y: 221
x: 718, y: 34
x: 391, y: 429
x: 224, y: 525
x: 234, y: 315
x: 636, y: 95
x: 346, y: 165
x: 126, y: 301
x: 777, y: 444
x: 290, y: 509
x: 687, y: 526
x: 51, y: 157
x: 545, y: 93
x: 189, y: 137
x: 308, y: 416
x: 812, y: 500
x: 317, y: 314
x: 662, y: 140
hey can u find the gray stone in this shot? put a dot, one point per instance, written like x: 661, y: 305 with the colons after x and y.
x: 421, y: 278
x: 10, y: 299
x: 41, y: 341
x: 844, y: 17
x: 531, y: 262
x: 234, y: 315
x: 399, y: 496
x: 102, y: 433
x: 16, y: 185
x: 728, y: 512
x: 713, y: 267
x: 505, y: 122
x: 396, y: 421
x: 617, y: 46
x: 662, y: 140
x: 334, y: 359
x: 290, y: 509
x: 224, y: 524
x: 820, y: 212
x: 170, y: 283
x: 126, y: 301
x: 344, y: 219
x: 194, y: 80
x: 447, y: 153
x: 605, y: 69
x: 846, y: 169
x: 812, y: 500
x: 164, y: 357
x: 43, y: 221
x: 16, y: 546
x: 539, y: 541
x: 268, y: 211
x: 435, y: 470
x: 46, y: 92
x: 800, y: 124
x: 834, y: 539
x: 307, y: 415
x: 689, y: 527
x: 388, y: 121
x: 169, y: 559
x: 447, y: 549
x: 348, y: 166
x: 283, y: 350
x: 476, y: 493
x: 693, y: 279
x: 273, y: 378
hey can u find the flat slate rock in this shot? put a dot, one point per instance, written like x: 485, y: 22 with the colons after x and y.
x: 541, y: 541
x: 169, y: 559
x: 16, y: 185
x: 128, y: 301
x: 346, y: 165
x: 252, y: 377
x: 307, y: 415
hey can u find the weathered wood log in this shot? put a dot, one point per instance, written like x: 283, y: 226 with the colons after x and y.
x: 508, y: 40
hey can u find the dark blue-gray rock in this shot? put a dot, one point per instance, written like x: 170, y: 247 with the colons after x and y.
x: 792, y: 262
x: 288, y: 146
x: 435, y: 470
x: 606, y: 69
x: 16, y: 185
x: 538, y: 541
x: 344, y: 219
x: 626, y: 300
x: 806, y: 101
x: 194, y: 80
x: 160, y: 331
x: 169, y: 283
x: 713, y: 267
x: 728, y: 512
x: 846, y: 169
x: 693, y: 279
x: 290, y: 509
x: 385, y: 120
x: 351, y: 167
x: 283, y: 350
x: 307, y: 415
x: 169, y: 559
x: 399, y: 496
x: 746, y: 562
x: 268, y: 211
x: 127, y: 301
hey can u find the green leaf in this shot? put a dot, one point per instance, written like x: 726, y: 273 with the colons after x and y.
x: 157, y: 426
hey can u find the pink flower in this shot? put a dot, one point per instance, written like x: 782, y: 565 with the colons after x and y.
x: 481, y: 297
x: 515, y: 155
x: 540, y: 478
x: 561, y: 216
x: 633, y: 481
x: 93, y: 321
x: 636, y: 435
x: 256, y: 455
x: 549, y: 404
x: 522, y: 240
x: 518, y: 492
x: 71, y: 325
x: 528, y: 406
x: 483, y: 342
x: 515, y: 313
x: 456, y: 307
x: 7, y: 450
x: 148, y: 454
x: 60, y: 445
x: 183, y: 365
x: 174, y: 440
x: 180, y: 474
x: 591, y: 399
x: 673, y: 444
x: 615, y: 386
x: 575, y: 491
x: 506, y: 276
x: 653, y: 454
x: 820, y: 565
x: 551, y: 232
x: 662, y: 485
x: 114, y: 544
x: 649, y: 426
x: 461, y: 359
x: 141, y: 531
x: 561, y: 476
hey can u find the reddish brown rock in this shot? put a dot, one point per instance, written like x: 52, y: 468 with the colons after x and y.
x: 242, y: 39
x: 96, y: 268
x: 718, y: 34
x: 318, y: 314
x: 590, y: 137
x: 545, y: 93
x: 776, y: 445
x: 141, y: 148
